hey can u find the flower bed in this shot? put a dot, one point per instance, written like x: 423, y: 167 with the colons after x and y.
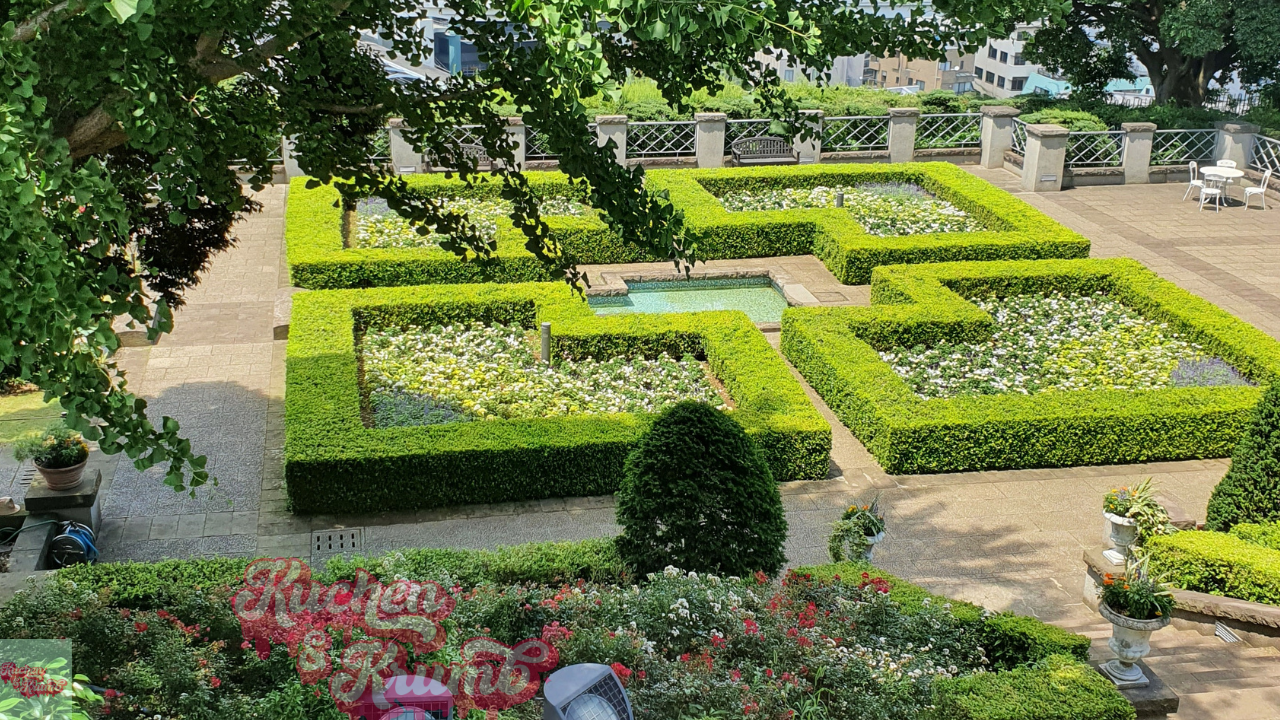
x: 680, y: 643
x: 881, y: 209
x: 377, y: 226
x: 1056, y: 342
x: 839, y: 351
x: 337, y: 460
x: 995, y: 225
x: 419, y: 376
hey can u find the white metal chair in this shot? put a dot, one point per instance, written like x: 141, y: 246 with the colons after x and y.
x: 1211, y: 192
x: 1226, y: 163
x: 1260, y: 191
x: 1195, y: 182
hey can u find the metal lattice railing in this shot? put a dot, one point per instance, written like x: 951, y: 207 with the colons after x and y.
x: 1177, y: 147
x: 1103, y: 148
x: 662, y: 139
x: 846, y: 134
x: 949, y: 130
x: 465, y: 135
x: 735, y: 130
x: 535, y: 146
x: 1019, y: 137
x: 1265, y: 154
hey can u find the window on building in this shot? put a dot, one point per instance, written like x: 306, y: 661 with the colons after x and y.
x: 1018, y: 59
x: 1000, y: 81
x: 920, y: 84
x: 991, y: 52
x: 964, y: 87
x: 944, y: 65
x: 991, y: 77
x: 1004, y: 57
x: 960, y: 66
x: 789, y: 75
x: 977, y: 72
x: 884, y: 76
x: 1017, y: 83
x: 1023, y: 35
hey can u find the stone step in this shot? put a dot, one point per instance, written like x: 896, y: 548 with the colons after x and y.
x: 1240, y: 704
x: 1227, y: 656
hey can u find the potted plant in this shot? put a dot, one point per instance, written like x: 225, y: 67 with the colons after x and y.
x: 857, y: 532
x: 1136, y: 605
x: 58, y: 452
x: 1133, y: 515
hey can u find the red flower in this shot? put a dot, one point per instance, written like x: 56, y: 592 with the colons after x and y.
x: 768, y: 672
x: 622, y: 671
x: 735, y: 674
x: 761, y: 578
x: 214, y: 682
x: 140, y: 627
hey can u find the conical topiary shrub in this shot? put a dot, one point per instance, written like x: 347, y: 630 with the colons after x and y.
x: 1250, y: 492
x: 698, y: 495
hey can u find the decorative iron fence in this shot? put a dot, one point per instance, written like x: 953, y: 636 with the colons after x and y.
x: 1265, y: 154
x: 381, y: 150
x: 662, y: 139
x: 949, y: 130
x: 735, y: 130
x: 1178, y: 147
x: 1019, y: 144
x: 1104, y: 148
x: 848, y: 134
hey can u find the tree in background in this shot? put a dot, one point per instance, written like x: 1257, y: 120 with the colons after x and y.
x: 698, y: 494
x: 120, y: 121
x: 1250, y: 491
x: 1183, y: 45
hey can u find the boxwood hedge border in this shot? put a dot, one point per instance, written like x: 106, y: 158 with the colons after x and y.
x: 318, y: 260
x: 836, y: 350
x: 334, y: 463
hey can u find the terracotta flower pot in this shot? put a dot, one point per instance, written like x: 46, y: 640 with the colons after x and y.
x: 67, y: 478
x: 1130, y: 641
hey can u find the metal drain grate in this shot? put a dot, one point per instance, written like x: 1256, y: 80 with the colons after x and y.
x: 26, y: 474
x: 1224, y: 633
x: 332, y: 542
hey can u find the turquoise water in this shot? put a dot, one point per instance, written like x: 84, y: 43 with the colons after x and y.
x: 757, y: 297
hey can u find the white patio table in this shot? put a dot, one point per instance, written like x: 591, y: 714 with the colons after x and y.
x: 1222, y: 175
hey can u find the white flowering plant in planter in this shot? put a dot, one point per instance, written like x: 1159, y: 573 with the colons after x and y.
x: 883, y: 209
x: 377, y: 226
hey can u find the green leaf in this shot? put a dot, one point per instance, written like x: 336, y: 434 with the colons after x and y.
x: 177, y: 218
x: 122, y: 10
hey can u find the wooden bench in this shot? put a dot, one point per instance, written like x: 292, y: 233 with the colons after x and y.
x: 764, y: 150
x: 483, y: 161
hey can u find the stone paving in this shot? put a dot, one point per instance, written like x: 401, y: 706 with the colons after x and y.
x: 1008, y: 540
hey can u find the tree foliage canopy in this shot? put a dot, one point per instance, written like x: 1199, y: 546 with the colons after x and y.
x: 121, y: 120
x: 1183, y: 45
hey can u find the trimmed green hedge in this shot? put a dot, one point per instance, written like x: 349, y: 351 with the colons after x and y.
x: 318, y: 260
x: 1057, y: 688
x: 1266, y: 535
x: 1218, y: 564
x: 335, y: 463
x: 836, y: 349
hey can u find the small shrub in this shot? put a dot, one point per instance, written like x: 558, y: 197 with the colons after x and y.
x: 697, y: 494
x: 1057, y: 688
x: 1217, y: 564
x: 56, y: 447
x: 1011, y: 640
x: 1250, y: 491
x: 1266, y: 535
x: 1075, y: 120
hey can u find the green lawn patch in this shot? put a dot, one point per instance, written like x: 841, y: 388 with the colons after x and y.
x: 336, y: 461
x: 1010, y: 228
x: 838, y: 352
x: 23, y: 412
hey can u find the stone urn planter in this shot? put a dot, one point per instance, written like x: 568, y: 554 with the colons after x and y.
x: 1123, y: 532
x: 872, y: 541
x: 1130, y: 641
x: 67, y: 478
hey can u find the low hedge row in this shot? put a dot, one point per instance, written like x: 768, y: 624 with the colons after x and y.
x: 1059, y: 687
x: 836, y: 349
x: 318, y: 259
x: 1217, y: 564
x: 335, y: 463
x: 1265, y: 534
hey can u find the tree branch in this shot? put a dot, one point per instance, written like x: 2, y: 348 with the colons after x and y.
x: 87, y: 129
x: 27, y: 29
x: 349, y: 109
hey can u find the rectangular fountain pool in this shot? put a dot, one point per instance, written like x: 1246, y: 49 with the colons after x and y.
x: 758, y: 297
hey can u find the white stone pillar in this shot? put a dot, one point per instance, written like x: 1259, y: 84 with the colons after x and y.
x: 902, y: 134
x: 291, y: 169
x: 613, y: 127
x: 1046, y: 157
x: 403, y: 157
x: 810, y: 151
x: 710, y: 139
x: 517, y: 134
x: 1137, y: 152
x: 997, y: 134
x: 1235, y: 140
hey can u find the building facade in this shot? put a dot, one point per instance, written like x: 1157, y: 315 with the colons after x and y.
x: 1000, y: 69
x: 898, y: 71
